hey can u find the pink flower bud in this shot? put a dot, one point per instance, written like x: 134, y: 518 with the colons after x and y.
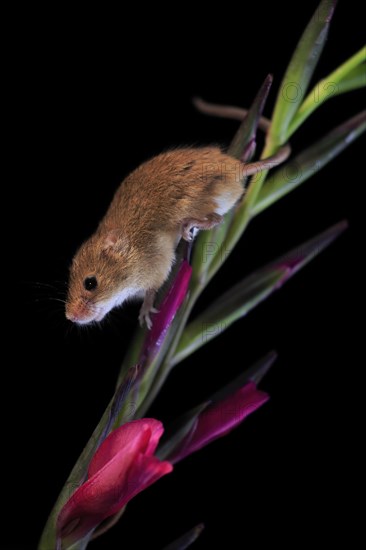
x: 123, y: 466
x: 220, y: 418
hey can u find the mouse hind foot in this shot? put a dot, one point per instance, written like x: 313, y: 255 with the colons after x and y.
x: 208, y: 222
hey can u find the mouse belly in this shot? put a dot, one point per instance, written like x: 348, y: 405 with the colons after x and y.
x: 227, y: 199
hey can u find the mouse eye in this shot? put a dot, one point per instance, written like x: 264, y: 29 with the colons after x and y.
x: 90, y: 283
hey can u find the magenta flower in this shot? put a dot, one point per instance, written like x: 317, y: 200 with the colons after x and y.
x: 218, y: 419
x: 123, y: 466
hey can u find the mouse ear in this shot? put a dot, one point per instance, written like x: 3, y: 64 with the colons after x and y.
x: 114, y: 240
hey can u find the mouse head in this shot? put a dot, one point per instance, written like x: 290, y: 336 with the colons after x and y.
x: 100, y: 278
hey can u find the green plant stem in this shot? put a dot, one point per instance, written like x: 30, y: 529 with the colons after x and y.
x: 163, y: 371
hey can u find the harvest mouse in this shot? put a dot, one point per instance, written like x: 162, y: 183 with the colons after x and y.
x: 133, y: 249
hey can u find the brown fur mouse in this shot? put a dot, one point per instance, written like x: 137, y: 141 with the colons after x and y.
x: 133, y: 249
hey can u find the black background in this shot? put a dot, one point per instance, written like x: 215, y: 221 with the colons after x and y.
x: 86, y: 104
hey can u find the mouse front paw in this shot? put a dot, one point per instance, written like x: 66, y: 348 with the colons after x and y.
x: 144, y: 317
x: 146, y: 309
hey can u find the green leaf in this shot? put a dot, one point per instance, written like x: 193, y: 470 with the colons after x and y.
x: 243, y: 297
x: 291, y: 175
x: 348, y: 76
x: 235, y: 303
x: 299, y: 72
x: 353, y: 81
x: 186, y: 540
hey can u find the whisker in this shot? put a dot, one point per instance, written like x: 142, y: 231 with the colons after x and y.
x: 50, y: 298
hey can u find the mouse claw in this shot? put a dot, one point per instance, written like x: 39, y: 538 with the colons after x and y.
x: 147, y: 308
x: 145, y: 319
x: 187, y: 234
x: 148, y: 321
x: 191, y: 226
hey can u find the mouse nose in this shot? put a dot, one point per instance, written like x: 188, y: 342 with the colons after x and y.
x: 71, y: 316
x: 73, y: 313
x: 79, y: 313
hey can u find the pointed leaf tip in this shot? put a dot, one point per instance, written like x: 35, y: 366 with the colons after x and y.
x: 260, y: 369
x: 248, y: 128
x: 300, y: 256
x: 254, y: 374
x: 187, y: 539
